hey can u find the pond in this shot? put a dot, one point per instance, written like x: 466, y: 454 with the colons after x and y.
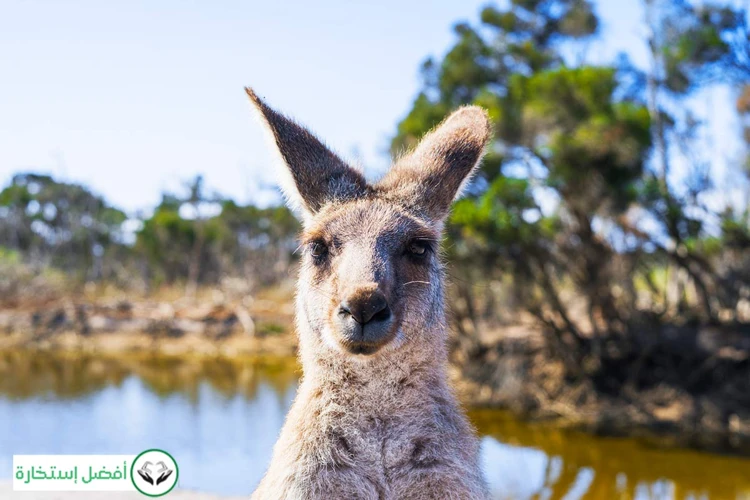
x: 220, y: 419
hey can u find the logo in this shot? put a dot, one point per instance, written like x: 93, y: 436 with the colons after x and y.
x: 154, y: 472
x: 72, y: 473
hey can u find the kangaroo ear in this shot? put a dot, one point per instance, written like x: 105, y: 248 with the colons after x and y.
x: 311, y: 174
x: 429, y: 178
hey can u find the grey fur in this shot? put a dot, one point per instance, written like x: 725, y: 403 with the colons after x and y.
x: 385, y: 425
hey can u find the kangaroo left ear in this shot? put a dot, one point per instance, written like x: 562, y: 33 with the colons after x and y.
x: 429, y: 178
x: 311, y: 174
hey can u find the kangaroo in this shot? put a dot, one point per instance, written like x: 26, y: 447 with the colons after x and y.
x: 374, y: 416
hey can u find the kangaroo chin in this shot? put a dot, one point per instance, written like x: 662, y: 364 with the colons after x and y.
x: 374, y: 416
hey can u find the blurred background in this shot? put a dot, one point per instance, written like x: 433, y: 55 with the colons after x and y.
x: 599, y: 264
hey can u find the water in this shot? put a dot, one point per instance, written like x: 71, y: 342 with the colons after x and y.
x: 220, y: 420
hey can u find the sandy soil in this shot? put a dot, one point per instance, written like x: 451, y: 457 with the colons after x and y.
x: 7, y: 493
x: 258, y: 326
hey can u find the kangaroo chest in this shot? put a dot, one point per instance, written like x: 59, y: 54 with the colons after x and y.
x: 383, y: 444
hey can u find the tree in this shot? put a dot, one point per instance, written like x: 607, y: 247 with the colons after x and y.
x: 197, y: 200
x: 691, y: 46
x: 201, y: 238
x: 579, y: 140
x: 63, y: 224
x: 179, y: 248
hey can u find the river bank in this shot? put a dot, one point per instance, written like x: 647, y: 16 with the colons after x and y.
x: 687, y: 387
x: 262, y: 326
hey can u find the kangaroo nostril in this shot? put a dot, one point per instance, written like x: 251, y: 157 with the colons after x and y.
x: 344, y: 309
x: 375, y: 308
x: 382, y: 315
x: 365, y: 308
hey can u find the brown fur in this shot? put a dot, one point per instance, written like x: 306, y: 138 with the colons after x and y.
x: 383, y: 425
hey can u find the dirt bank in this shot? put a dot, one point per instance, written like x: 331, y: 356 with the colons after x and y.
x: 259, y: 326
x: 684, y: 386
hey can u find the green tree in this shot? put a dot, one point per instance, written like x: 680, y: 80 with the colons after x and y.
x: 692, y: 45
x: 60, y: 224
x: 582, y: 141
x: 201, y: 239
x: 178, y: 248
x: 560, y: 133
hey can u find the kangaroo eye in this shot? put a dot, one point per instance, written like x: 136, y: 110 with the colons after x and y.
x: 318, y: 249
x: 418, y: 247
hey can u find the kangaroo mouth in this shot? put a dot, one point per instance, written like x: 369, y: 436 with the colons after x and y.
x: 364, y: 338
x: 360, y: 342
x: 362, y: 348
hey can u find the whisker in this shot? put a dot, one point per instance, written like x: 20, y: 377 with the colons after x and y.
x: 416, y: 281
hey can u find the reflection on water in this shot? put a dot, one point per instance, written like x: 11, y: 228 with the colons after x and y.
x: 220, y: 420
x: 551, y: 463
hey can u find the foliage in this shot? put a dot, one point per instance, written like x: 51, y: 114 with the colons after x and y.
x: 196, y: 238
x: 59, y: 223
x: 581, y: 139
x: 202, y: 248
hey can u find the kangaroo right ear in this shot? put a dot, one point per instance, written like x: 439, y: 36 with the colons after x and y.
x: 311, y: 174
x: 430, y: 177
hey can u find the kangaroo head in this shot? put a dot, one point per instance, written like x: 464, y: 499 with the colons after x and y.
x: 371, y: 278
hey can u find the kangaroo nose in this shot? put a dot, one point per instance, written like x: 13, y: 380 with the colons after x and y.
x: 364, y: 321
x: 364, y: 308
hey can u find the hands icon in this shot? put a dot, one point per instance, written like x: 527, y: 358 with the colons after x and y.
x: 145, y: 473
x: 163, y: 473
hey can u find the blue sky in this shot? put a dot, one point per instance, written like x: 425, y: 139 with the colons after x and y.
x: 135, y: 97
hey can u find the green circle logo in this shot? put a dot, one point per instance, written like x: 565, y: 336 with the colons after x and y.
x: 154, y: 472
